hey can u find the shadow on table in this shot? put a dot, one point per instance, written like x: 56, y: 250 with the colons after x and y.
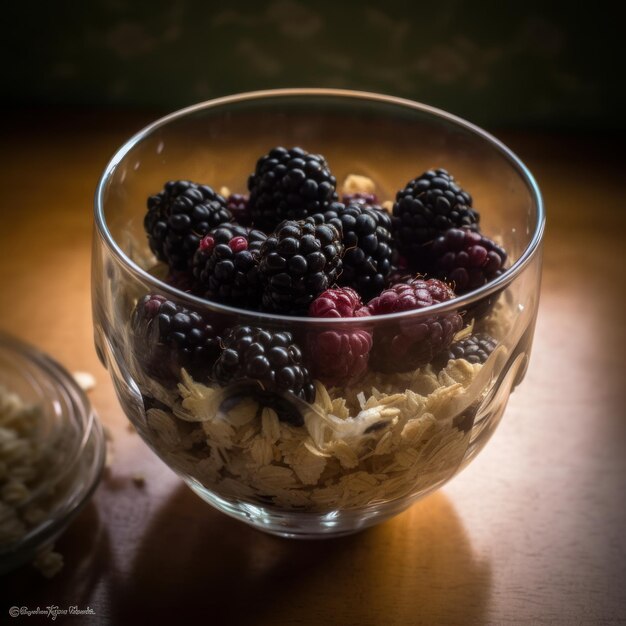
x: 195, y: 563
x: 85, y: 549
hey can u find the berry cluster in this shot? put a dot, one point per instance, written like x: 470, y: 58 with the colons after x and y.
x: 288, y: 246
x: 225, y: 265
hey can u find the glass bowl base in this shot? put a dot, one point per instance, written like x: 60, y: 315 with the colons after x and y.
x: 304, y: 525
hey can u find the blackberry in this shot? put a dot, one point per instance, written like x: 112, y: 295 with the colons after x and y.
x: 465, y: 258
x: 366, y: 236
x: 272, y: 362
x: 178, y: 217
x: 226, y: 265
x: 289, y: 185
x: 237, y: 204
x: 476, y: 349
x: 167, y: 337
x: 426, y: 207
x: 338, y: 357
x: 297, y: 263
x: 411, y: 343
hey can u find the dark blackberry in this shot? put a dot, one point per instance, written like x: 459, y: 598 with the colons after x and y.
x: 407, y: 344
x: 226, y: 265
x: 297, y: 263
x: 271, y: 361
x: 476, y: 349
x: 366, y: 237
x: 466, y: 258
x: 178, y: 217
x: 167, y: 337
x: 289, y: 185
x: 338, y: 357
x: 427, y: 206
x: 237, y: 204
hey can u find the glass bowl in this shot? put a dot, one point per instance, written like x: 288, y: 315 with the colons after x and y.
x: 66, y: 443
x: 365, y: 449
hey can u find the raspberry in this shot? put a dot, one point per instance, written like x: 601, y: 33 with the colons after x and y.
x: 167, y: 337
x: 407, y: 344
x: 289, y: 185
x: 343, y: 302
x: 466, y: 258
x: 338, y: 356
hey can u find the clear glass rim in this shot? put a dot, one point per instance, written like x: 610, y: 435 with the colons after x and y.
x: 458, y: 303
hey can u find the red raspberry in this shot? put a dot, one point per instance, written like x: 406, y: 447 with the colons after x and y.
x: 338, y: 357
x: 407, y: 344
x: 342, y: 302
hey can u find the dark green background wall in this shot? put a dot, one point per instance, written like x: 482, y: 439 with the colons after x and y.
x: 500, y: 64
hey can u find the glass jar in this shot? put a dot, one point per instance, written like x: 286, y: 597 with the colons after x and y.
x: 52, y: 451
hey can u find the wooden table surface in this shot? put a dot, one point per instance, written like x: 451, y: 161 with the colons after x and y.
x: 533, y: 531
